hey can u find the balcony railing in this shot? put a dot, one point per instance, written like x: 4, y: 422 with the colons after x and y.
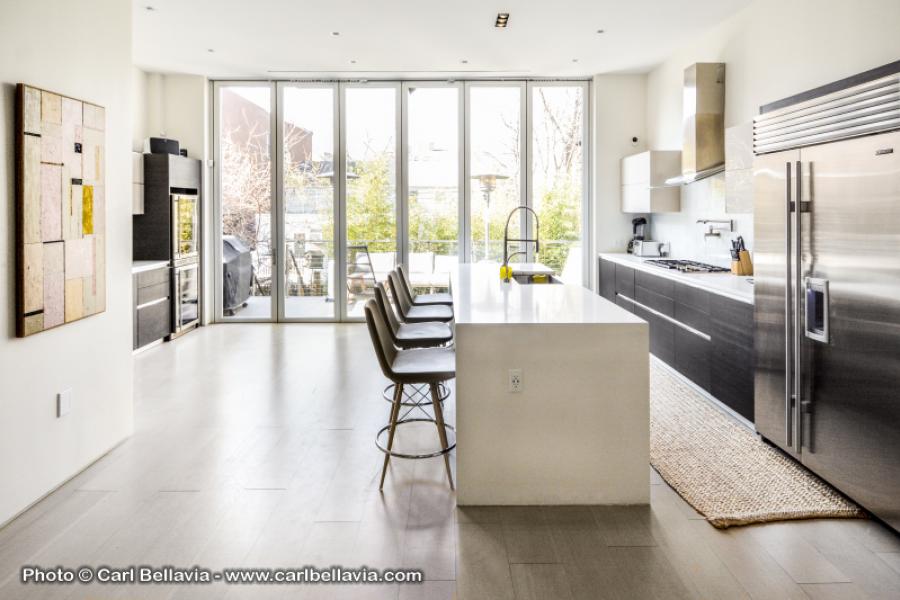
x: 310, y: 264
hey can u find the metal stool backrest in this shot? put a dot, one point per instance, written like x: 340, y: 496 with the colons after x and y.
x: 399, y: 291
x: 380, y: 333
x: 387, y: 311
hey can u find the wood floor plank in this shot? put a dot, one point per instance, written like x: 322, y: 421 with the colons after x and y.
x: 627, y: 573
x: 625, y: 525
x: 686, y: 545
x: 836, y: 540
x: 834, y: 591
x: 803, y: 562
x: 892, y: 559
x: 481, y: 563
x: 540, y: 582
x: 529, y: 544
x: 430, y: 590
x: 751, y: 565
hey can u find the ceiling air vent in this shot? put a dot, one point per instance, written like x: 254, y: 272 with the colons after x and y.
x: 502, y: 20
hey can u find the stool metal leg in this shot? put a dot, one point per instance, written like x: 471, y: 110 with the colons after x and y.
x: 442, y: 433
x: 395, y: 409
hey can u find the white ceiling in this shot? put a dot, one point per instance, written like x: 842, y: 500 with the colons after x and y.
x: 403, y: 38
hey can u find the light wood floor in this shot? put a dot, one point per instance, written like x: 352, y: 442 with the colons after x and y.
x: 253, y: 446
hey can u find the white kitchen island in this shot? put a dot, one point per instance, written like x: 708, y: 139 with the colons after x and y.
x: 578, y: 431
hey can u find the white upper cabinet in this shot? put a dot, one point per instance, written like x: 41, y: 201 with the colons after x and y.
x: 643, y: 182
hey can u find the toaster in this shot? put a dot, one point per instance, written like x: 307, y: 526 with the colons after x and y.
x: 648, y: 248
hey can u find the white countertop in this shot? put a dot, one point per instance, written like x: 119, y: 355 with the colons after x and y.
x: 481, y: 297
x: 724, y: 284
x: 139, y: 266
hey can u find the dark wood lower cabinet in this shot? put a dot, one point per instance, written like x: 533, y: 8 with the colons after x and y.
x: 608, y: 280
x: 722, y: 364
x: 152, y: 306
x: 153, y: 322
x: 732, y: 354
x: 692, y: 354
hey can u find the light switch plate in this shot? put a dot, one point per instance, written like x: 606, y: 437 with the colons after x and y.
x: 63, y: 403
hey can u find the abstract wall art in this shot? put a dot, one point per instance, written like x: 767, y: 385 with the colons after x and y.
x: 60, y: 210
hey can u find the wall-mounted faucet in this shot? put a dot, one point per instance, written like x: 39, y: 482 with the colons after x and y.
x: 716, y: 226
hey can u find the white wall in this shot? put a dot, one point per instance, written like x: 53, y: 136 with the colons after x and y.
x: 619, y: 114
x: 772, y: 49
x: 81, y: 49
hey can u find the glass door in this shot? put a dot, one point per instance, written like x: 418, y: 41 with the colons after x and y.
x: 308, y: 195
x: 557, y: 177
x: 371, y: 155
x: 185, y: 213
x: 433, y: 184
x: 496, y: 151
x: 245, y: 118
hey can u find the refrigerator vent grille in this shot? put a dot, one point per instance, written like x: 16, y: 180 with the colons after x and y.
x: 864, y: 109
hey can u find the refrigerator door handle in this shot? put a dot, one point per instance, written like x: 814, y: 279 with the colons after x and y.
x: 788, y: 312
x: 798, y: 304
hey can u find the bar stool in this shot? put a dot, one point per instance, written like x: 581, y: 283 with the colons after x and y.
x: 422, y: 299
x: 412, y: 335
x: 416, y: 314
x: 420, y: 366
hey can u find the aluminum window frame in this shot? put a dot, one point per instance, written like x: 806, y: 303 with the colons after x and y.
x: 277, y: 86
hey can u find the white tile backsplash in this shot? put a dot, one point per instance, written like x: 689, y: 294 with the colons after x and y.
x: 704, y: 199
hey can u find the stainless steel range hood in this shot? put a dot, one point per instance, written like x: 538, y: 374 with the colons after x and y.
x: 703, y: 134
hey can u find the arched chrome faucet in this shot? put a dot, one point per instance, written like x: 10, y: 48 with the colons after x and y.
x: 507, y: 239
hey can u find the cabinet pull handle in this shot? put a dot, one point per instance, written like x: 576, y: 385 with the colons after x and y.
x: 675, y: 322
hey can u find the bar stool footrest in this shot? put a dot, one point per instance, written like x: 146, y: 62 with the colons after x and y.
x: 396, y: 454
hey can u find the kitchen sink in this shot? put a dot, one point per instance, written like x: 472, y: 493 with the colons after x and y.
x: 529, y: 279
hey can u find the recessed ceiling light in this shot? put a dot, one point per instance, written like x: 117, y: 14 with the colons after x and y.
x: 149, y: 8
x: 352, y: 62
x: 601, y: 31
x: 335, y: 33
x: 210, y: 50
x: 574, y: 60
x: 464, y: 61
x: 502, y: 20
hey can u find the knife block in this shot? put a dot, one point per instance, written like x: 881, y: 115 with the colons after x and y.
x: 743, y: 266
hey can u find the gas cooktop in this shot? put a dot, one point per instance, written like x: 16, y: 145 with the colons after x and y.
x: 686, y: 266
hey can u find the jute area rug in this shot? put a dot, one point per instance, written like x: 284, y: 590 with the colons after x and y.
x: 723, y: 469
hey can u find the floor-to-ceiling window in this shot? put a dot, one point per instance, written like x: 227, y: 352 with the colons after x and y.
x: 432, y: 165
x: 322, y: 187
x: 307, y: 123
x: 557, y: 178
x: 496, y: 140
x: 371, y: 151
x: 245, y: 121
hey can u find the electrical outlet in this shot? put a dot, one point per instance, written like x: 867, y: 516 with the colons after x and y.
x: 63, y: 403
x: 515, y: 381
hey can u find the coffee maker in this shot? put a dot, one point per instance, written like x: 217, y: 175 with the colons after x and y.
x: 639, y: 227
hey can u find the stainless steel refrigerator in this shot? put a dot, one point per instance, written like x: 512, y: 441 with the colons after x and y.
x: 827, y: 287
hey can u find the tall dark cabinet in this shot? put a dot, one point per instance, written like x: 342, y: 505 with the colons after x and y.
x: 169, y: 230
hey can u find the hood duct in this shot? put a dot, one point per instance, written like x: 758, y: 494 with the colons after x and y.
x: 703, y: 134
